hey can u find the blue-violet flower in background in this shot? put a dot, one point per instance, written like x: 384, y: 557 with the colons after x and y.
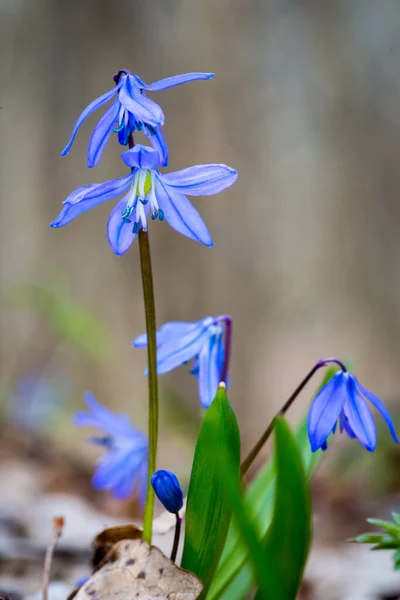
x: 168, y: 490
x: 343, y: 399
x: 123, y: 470
x: 180, y: 342
x: 147, y: 191
x: 131, y: 111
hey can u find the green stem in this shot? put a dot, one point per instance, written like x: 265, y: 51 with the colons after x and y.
x: 148, y: 294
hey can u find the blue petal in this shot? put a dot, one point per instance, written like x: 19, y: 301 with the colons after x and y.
x: 159, y: 143
x: 143, y: 108
x: 359, y: 417
x: 142, y: 157
x: 201, y: 180
x: 117, y: 471
x: 209, y: 370
x: 181, y: 349
x: 87, y: 197
x: 168, y: 82
x: 173, y: 331
x: 380, y: 407
x: 181, y: 214
x: 100, y: 417
x: 119, y: 232
x: 325, y: 410
x: 101, y: 134
x: 86, y: 113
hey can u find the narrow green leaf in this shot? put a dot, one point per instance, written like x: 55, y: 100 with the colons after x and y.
x: 234, y: 577
x: 208, y: 515
x: 396, y: 518
x: 289, y: 537
x: 370, y: 538
x: 266, y: 579
x: 391, y: 528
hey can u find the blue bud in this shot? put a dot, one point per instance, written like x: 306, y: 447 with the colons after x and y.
x: 168, y: 490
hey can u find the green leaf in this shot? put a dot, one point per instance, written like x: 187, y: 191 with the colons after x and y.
x: 266, y: 579
x: 233, y: 578
x: 396, y: 518
x: 289, y: 536
x: 208, y: 514
x: 371, y: 538
x: 391, y: 528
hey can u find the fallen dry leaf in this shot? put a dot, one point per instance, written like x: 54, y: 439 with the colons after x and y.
x: 137, y: 571
x: 106, y: 539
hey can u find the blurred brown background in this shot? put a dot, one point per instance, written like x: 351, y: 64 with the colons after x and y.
x: 305, y: 105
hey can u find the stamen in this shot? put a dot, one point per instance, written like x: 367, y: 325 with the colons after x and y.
x: 127, y: 213
x: 154, y: 215
x: 143, y: 200
x: 119, y: 128
x: 136, y: 228
x: 160, y: 214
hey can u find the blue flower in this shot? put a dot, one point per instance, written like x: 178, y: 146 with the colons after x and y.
x: 168, y: 490
x: 343, y: 399
x: 148, y: 192
x: 123, y: 470
x: 131, y: 111
x: 180, y: 342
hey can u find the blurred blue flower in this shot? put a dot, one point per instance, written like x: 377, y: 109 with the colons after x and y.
x: 343, y: 399
x: 148, y: 192
x: 168, y: 490
x: 179, y: 342
x: 130, y: 111
x: 36, y: 403
x: 123, y: 470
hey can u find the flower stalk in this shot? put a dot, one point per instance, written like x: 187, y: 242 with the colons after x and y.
x: 176, y: 537
x: 244, y: 467
x: 149, y: 305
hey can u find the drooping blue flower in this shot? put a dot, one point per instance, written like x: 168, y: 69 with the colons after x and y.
x: 202, y: 341
x: 131, y: 111
x: 167, y: 489
x: 147, y: 192
x: 343, y: 399
x: 123, y: 470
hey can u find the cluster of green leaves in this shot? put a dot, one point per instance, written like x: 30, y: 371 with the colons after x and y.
x: 389, y: 539
x: 239, y: 539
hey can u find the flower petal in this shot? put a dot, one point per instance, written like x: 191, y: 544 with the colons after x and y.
x: 101, y: 134
x: 100, y: 417
x: 87, y: 197
x: 168, y: 82
x: 378, y: 404
x: 142, y: 157
x: 359, y: 417
x: 181, y: 214
x: 117, y: 471
x: 159, y: 143
x: 119, y: 232
x: 201, y: 180
x: 143, y: 108
x: 171, y: 331
x: 325, y: 410
x: 86, y: 113
x: 181, y: 349
x: 209, y: 369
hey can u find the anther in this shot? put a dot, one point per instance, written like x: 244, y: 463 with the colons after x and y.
x: 143, y: 200
x: 127, y: 213
x: 154, y: 215
x: 160, y: 214
x: 136, y: 228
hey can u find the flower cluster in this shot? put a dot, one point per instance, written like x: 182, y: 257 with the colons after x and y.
x: 146, y: 192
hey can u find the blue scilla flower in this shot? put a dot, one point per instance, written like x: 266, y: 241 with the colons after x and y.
x: 203, y: 341
x: 148, y: 192
x: 343, y: 399
x: 167, y: 489
x: 123, y: 470
x: 131, y: 111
